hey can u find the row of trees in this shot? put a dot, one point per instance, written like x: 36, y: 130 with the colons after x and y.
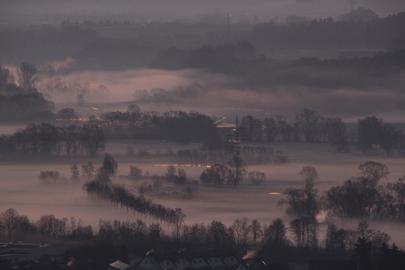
x: 49, y: 140
x: 309, y: 126
x: 242, y: 232
x: 102, y: 187
x: 366, y: 246
x: 173, y: 126
x: 121, y: 196
x: 13, y: 226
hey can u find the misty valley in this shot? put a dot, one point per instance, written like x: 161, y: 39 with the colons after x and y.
x: 270, y: 138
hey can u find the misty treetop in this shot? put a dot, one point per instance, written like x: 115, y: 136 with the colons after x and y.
x: 308, y: 126
x: 304, y: 202
x: 372, y: 134
x: 363, y: 196
x: 176, y: 126
x: 227, y: 58
x: 19, y: 99
x: 49, y: 140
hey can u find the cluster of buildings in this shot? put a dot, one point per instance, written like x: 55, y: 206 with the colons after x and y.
x: 21, y: 255
x: 215, y: 261
x: 28, y: 251
x: 187, y: 261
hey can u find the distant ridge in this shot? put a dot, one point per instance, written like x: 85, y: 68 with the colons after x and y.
x: 360, y: 14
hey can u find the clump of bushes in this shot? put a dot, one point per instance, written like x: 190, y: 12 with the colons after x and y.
x: 51, y: 177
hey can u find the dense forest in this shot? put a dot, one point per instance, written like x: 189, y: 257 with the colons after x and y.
x: 256, y: 71
x: 330, y: 34
x: 137, y: 44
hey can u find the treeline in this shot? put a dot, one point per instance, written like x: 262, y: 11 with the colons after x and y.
x: 49, y: 140
x: 120, y: 195
x: 252, y: 70
x: 16, y: 226
x: 309, y: 126
x: 365, y: 247
x: 361, y: 248
x: 233, y: 59
x: 176, y: 126
x: 46, y: 139
x: 242, y: 232
x: 330, y: 34
x: 102, y: 187
x: 371, y: 133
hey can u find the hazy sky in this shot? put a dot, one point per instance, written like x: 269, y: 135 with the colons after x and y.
x: 42, y: 11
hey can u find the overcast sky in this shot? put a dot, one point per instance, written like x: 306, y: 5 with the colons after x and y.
x: 42, y: 11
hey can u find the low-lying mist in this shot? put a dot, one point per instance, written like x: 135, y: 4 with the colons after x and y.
x: 193, y: 89
x: 21, y: 189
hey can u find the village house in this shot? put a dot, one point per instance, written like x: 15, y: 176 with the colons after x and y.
x: 119, y: 265
x: 181, y: 261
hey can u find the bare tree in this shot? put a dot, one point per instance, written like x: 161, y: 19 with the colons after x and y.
x: 241, y: 229
x: 9, y: 219
x: 275, y: 233
x: 237, y: 168
x: 305, y: 231
x: 256, y: 230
